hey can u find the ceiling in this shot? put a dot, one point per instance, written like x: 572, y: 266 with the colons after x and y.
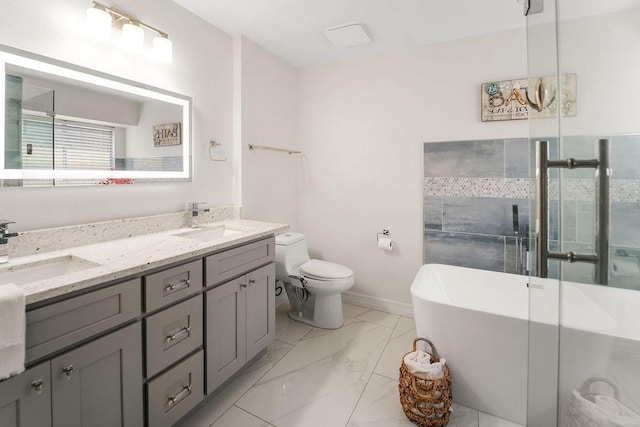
x: 294, y: 29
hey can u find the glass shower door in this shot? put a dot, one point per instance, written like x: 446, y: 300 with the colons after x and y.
x: 584, y: 329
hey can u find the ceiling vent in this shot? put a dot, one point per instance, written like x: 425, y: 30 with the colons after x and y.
x: 347, y: 35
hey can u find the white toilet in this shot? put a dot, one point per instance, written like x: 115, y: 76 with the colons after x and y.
x: 313, y: 286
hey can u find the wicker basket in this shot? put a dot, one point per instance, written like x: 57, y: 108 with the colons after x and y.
x: 426, y: 402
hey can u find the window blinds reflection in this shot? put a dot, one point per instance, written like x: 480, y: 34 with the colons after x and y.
x: 62, y: 144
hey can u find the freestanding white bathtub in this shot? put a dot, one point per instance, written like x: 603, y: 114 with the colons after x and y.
x: 479, y: 321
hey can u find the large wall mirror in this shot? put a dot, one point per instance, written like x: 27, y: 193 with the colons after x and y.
x: 67, y: 125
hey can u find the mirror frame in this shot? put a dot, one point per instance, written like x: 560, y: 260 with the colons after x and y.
x: 17, y: 57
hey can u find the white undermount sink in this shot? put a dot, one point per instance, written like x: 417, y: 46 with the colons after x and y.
x: 21, y: 274
x: 207, y: 234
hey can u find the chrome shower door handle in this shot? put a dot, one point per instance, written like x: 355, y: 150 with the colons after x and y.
x: 601, y: 256
x: 542, y: 208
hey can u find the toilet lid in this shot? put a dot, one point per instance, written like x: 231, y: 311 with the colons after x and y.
x: 323, y: 270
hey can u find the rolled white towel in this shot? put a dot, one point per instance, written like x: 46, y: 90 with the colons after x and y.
x: 419, y: 364
x: 12, y: 330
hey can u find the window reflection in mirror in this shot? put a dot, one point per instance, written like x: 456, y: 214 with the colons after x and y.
x: 62, y: 130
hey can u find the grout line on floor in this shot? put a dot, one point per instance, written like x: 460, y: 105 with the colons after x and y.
x: 373, y: 372
x: 221, y: 415
x: 263, y: 375
x: 253, y: 415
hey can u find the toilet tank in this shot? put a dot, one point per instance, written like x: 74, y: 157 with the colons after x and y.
x: 291, y: 252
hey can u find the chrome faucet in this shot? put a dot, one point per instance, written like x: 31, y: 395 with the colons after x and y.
x: 4, y: 240
x: 194, y: 207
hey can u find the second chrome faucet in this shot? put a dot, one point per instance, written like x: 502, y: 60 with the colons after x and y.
x: 195, y: 210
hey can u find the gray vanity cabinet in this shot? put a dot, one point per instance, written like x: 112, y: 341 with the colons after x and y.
x: 240, y: 323
x: 261, y: 312
x: 25, y: 400
x: 226, y: 332
x: 100, y: 383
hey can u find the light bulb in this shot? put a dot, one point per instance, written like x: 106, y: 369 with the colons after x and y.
x: 162, y: 49
x: 132, y: 37
x: 98, y: 24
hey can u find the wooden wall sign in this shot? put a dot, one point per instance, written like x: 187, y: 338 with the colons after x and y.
x: 528, y: 98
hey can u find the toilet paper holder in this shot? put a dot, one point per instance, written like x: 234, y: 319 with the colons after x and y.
x: 384, y: 232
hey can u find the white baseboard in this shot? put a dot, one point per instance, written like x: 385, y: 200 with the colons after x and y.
x: 380, y: 304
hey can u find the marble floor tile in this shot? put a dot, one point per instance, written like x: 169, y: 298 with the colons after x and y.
x: 217, y: 405
x: 374, y: 316
x: 326, y: 378
x: 380, y: 406
x: 378, y: 317
x: 288, y: 330
x: 320, y: 380
x: 236, y: 417
x: 317, y: 332
x: 486, y: 420
x: 350, y: 310
x: 401, y: 342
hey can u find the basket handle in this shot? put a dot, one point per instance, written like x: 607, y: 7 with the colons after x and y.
x: 585, y: 387
x: 434, y: 352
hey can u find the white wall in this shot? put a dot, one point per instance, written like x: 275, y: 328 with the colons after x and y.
x: 362, y: 124
x: 202, y: 68
x: 604, y: 51
x: 268, y: 111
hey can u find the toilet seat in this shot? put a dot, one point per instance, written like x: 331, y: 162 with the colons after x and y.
x: 325, y: 278
x: 325, y: 271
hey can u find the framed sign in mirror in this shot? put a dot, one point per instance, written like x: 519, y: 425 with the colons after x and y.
x: 68, y: 125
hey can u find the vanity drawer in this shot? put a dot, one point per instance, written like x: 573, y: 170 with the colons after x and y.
x: 170, y: 285
x: 173, y: 333
x: 235, y: 262
x: 176, y: 392
x: 59, y: 325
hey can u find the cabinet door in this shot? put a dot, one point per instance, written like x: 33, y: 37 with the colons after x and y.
x: 261, y: 309
x: 25, y: 400
x: 100, y: 383
x: 226, y: 331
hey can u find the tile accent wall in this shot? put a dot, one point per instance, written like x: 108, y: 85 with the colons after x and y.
x: 471, y: 186
x: 469, y: 190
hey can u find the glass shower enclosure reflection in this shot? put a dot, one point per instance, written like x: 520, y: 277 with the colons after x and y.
x: 584, y: 295
x: 29, y: 127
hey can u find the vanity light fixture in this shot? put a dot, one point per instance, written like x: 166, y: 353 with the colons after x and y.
x: 132, y: 37
x: 99, y: 23
x: 101, y: 19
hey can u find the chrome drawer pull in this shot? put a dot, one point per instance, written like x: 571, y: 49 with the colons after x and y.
x: 186, y: 391
x: 180, y: 285
x: 38, y: 386
x: 182, y: 331
x: 68, y: 371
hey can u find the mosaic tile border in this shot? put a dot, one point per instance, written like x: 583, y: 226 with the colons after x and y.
x: 511, y: 188
x: 622, y: 190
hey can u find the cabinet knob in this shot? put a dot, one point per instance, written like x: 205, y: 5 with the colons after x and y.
x: 243, y: 285
x: 38, y: 386
x: 68, y: 371
x: 252, y: 282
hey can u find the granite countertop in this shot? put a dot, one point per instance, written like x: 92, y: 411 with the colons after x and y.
x: 117, y: 259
